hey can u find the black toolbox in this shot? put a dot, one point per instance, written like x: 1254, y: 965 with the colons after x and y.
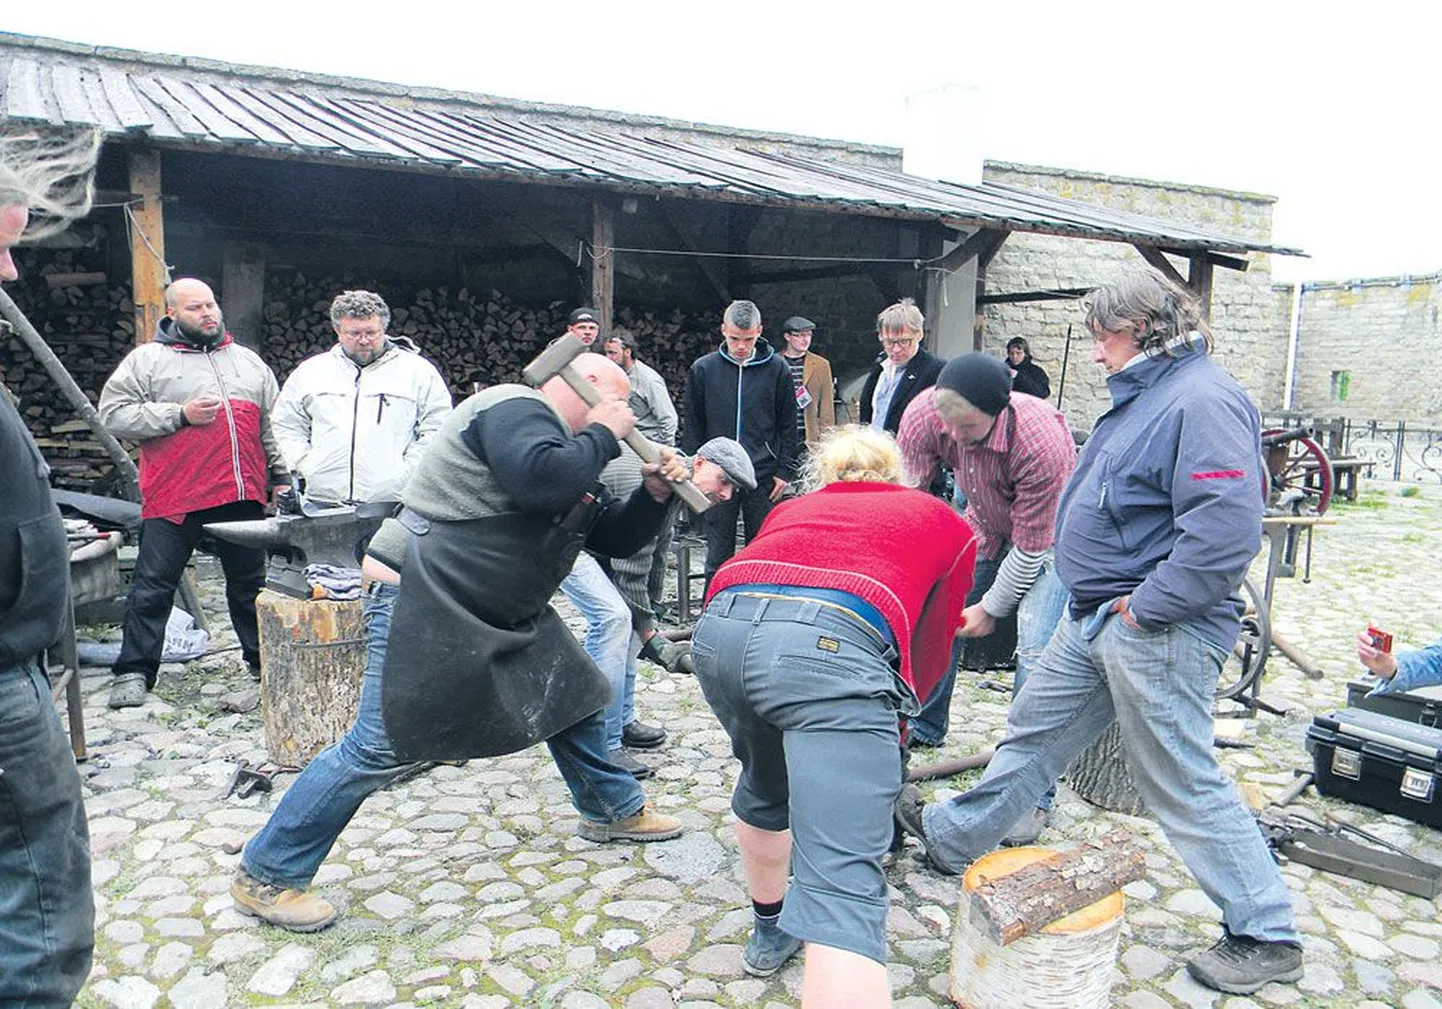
x: 1424, y: 709
x: 1367, y: 757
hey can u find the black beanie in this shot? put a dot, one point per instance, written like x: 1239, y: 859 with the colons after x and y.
x: 980, y: 379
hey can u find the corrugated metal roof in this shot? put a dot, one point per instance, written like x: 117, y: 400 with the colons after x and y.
x: 202, y: 105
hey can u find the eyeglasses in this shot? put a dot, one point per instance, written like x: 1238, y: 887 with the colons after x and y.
x: 362, y: 334
x: 897, y: 341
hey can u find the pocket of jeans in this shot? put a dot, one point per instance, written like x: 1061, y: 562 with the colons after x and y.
x: 19, y: 701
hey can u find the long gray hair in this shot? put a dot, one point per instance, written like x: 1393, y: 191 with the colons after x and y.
x: 1154, y: 309
x: 50, y: 172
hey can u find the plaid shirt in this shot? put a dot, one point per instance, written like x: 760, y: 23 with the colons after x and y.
x: 1012, y: 481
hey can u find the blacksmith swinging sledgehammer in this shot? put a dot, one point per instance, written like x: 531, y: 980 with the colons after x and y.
x: 555, y: 362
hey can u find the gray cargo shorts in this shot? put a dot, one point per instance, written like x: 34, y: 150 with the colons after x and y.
x: 808, y: 694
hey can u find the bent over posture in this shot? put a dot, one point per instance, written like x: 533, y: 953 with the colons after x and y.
x: 499, y: 505
x: 816, y: 637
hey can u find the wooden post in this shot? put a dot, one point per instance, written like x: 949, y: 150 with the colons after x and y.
x: 603, y: 262
x: 148, y: 271
x: 1200, y: 282
x: 312, y: 660
x: 242, y: 290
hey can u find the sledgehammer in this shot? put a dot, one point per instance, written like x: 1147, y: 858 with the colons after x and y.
x: 555, y: 361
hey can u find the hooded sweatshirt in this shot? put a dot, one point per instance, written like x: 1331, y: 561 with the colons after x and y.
x: 752, y: 401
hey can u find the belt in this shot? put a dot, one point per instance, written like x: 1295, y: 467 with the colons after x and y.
x: 876, y: 626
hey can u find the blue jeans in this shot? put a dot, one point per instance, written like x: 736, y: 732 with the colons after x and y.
x: 1036, y: 618
x: 608, y: 639
x: 47, y: 913
x: 1158, y: 685
x: 289, y: 849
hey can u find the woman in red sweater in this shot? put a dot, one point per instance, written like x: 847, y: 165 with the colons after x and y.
x: 816, y: 638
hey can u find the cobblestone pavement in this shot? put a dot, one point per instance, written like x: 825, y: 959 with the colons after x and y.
x: 467, y: 886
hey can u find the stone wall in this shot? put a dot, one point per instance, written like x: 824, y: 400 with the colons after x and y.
x: 1242, y: 303
x: 1366, y: 348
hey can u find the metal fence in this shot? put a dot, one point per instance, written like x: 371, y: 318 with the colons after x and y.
x: 1393, y: 449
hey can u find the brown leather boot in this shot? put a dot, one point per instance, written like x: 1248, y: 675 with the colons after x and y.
x: 643, y: 825
x: 291, y: 909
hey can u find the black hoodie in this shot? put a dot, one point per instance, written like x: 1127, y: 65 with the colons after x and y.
x: 753, y: 402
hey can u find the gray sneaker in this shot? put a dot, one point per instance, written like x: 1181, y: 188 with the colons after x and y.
x: 1026, y: 830
x: 907, y: 812
x: 127, y: 690
x: 767, y: 949
x: 1240, y: 965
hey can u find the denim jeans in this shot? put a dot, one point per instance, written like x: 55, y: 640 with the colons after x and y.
x: 608, y: 639
x: 1037, y: 616
x: 165, y: 549
x: 47, y: 913
x: 289, y: 849
x: 1159, y: 686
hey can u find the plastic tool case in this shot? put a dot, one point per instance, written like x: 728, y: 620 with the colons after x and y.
x: 1384, y: 762
x: 1423, y: 707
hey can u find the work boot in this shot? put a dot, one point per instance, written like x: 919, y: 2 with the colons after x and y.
x: 253, y: 668
x: 290, y: 909
x: 767, y: 948
x: 1026, y: 830
x: 127, y: 690
x: 907, y: 813
x: 640, y: 736
x: 630, y: 764
x: 1240, y: 965
x: 640, y: 826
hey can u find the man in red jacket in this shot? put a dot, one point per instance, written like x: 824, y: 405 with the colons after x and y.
x: 199, y: 405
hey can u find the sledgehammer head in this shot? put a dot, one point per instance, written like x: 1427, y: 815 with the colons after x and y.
x: 332, y: 536
x: 549, y: 362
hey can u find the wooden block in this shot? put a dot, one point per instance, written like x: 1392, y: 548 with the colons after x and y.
x: 312, y: 660
x: 1019, y: 891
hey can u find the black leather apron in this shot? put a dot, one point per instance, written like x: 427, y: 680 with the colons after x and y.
x: 478, y: 663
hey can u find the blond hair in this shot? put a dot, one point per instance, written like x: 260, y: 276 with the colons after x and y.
x: 852, y: 454
x: 49, y: 172
x: 902, y: 317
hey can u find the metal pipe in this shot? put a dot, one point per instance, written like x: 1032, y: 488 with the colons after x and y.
x: 1294, y: 332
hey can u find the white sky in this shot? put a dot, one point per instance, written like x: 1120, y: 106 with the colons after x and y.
x: 1330, y: 107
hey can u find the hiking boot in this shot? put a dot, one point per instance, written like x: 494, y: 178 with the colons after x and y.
x: 640, y: 736
x: 295, y: 910
x: 641, y: 826
x: 1240, y: 965
x: 1027, y: 829
x: 907, y: 813
x: 767, y: 949
x: 630, y: 765
x: 127, y: 690
x: 254, y: 670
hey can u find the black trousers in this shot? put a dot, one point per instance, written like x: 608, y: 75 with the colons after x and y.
x: 720, y: 520
x: 165, y: 549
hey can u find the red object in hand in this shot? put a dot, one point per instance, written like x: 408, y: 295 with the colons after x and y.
x: 1381, y: 640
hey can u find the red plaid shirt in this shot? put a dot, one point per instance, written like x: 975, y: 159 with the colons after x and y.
x: 1012, y: 481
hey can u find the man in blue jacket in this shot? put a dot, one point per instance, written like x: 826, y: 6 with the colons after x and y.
x: 743, y: 390
x: 1154, y: 533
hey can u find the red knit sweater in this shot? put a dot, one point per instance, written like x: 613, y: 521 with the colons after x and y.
x: 906, y: 553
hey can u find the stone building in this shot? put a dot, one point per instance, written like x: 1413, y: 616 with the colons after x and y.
x: 1243, y: 307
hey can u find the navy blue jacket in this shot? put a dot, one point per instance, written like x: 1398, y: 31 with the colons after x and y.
x: 753, y: 402
x: 1166, y: 500
x: 34, y: 558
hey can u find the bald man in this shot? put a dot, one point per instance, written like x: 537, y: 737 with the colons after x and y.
x: 199, y: 406
x: 458, y: 623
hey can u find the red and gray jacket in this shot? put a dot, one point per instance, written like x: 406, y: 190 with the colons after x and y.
x: 186, y: 468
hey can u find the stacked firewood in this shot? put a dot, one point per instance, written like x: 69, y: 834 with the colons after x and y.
x: 472, y: 338
x: 89, y: 322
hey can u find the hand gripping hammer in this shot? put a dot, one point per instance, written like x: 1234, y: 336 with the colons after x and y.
x: 556, y: 360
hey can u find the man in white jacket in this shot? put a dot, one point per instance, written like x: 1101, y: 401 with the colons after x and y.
x: 351, y: 421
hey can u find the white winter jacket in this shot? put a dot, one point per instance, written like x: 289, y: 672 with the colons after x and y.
x: 355, y: 434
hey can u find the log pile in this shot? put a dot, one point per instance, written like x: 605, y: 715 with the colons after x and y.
x: 471, y: 337
x: 88, y: 320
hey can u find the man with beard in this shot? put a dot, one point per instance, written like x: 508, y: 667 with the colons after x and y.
x: 199, y: 406
x: 352, y: 421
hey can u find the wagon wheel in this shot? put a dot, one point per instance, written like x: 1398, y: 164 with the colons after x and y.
x: 1249, y: 655
x: 1300, y: 464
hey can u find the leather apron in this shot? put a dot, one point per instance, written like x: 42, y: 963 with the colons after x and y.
x: 478, y: 663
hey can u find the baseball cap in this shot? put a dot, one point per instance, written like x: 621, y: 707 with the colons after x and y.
x: 796, y: 324
x: 583, y: 315
x: 733, y: 460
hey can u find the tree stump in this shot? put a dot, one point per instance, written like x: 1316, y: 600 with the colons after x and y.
x: 312, y: 660
x: 1100, y: 775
